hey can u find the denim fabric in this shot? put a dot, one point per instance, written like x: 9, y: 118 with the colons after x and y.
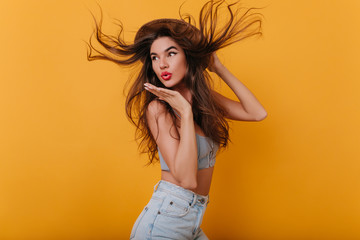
x: 172, y: 213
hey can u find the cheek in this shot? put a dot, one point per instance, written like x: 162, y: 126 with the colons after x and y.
x: 180, y: 63
x: 184, y: 66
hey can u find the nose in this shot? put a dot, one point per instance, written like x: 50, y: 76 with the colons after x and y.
x: 163, y: 63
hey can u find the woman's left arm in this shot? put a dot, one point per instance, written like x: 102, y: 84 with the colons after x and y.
x: 249, y: 108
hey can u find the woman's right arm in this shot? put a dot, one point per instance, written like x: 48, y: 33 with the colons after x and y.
x: 180, y: 155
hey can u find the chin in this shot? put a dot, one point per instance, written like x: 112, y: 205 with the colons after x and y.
x: 168, y: 84
x: 171, y: 83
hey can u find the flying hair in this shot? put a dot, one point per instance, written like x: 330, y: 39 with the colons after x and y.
x: 215, y: 32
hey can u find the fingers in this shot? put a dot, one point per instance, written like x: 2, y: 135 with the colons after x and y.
x: 173, y: 98
x: 159, y: 90
x: 162, y: 93
x: 215, y: 63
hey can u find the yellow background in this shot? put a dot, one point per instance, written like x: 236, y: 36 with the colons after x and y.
x: 69, y: 165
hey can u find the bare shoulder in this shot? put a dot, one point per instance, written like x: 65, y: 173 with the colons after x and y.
x: 160, y: 120
x: 156, y: 111
x: 155, y: 108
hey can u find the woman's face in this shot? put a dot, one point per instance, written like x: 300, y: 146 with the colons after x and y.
x: 168, y: 62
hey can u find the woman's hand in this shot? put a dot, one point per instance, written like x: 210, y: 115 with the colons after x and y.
x: 174, y: 98
x: 215, y: 63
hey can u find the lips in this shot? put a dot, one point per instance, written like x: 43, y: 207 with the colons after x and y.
x: 166, y: 75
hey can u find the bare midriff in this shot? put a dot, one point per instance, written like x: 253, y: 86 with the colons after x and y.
x: 204, y: 177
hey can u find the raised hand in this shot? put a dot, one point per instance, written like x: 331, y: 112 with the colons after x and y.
x: 214, y: 63
x: 174, y: 98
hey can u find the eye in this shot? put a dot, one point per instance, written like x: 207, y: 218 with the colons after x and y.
x: 154, y: 58
x: 172, y: 54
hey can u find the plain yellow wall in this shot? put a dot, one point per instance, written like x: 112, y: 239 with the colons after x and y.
x: 69, y: 165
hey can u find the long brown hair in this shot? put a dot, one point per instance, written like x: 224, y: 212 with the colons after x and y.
x: 198, y: 45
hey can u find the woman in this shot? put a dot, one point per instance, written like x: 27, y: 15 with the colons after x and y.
x: 180, y: 119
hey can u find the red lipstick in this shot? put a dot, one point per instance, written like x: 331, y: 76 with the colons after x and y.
x: 166, y: 75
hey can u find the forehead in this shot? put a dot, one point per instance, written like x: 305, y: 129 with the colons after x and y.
x: 162, y: 43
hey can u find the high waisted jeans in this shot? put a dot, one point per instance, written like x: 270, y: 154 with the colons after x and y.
x: 173, y: 212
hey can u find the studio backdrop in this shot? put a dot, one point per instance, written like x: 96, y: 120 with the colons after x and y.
x: 69, y: 163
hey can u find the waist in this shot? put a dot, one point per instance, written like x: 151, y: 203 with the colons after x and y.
x: 187, y: 195
x: 204, y: 178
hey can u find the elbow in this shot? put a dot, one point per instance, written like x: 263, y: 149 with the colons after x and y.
x: 261, y: 116
x: 188, y: 181
x: 190, y: 184
x: 186, y: 177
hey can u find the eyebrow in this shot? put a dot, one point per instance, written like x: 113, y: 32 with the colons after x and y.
x: 166, y: 50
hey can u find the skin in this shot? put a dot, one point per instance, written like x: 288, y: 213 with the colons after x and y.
x: 181, y: 155
x: 167, y: 55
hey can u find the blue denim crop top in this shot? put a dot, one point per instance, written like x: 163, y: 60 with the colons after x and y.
x: 206, y: 149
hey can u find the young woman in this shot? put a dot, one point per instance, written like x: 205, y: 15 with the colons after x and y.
x: 180, y: 118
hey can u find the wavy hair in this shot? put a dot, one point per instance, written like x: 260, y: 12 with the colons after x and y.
x: 198, y: 45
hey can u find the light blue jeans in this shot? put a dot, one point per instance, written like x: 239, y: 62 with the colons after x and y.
x: 173, y: 212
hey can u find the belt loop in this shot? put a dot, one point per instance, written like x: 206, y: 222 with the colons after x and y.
x: 156, y: 186
x: 193, y: 200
